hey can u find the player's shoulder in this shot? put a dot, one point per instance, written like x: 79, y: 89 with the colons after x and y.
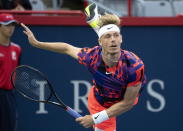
x: 91, y: 50
x: 131, y: 58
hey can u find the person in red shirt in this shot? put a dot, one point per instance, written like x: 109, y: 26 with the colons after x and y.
x: 118, y: 75
x: 9, y: 59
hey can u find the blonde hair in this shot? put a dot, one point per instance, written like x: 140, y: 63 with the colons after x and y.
x: 109, y: 19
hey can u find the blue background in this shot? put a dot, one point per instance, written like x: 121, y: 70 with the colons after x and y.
x: 159, y: 47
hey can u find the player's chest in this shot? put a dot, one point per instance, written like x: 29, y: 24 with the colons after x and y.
x: 109, y: 77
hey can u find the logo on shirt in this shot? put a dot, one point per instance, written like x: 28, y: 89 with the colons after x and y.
x: 13, y: 55
x: 108, y: 73
x: 1, y: 55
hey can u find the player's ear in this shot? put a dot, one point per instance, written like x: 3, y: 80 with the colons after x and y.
x: 99, y: 41
x: 121, y: 38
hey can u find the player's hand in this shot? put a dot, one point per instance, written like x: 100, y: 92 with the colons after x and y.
x: 86, y: 121
x: 30, y: 35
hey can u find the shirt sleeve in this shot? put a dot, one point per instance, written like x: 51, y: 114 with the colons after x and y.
x: 84, y: 56
x: 136, y: 71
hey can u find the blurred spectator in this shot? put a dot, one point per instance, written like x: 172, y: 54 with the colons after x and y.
x: 73, y: 4
x: 37, y: 4
x: 52, y: 4
x: 64, y: 4
x: 15, y: 5
x: 9, y: 58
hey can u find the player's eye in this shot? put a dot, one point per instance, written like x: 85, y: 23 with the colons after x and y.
x: 107, y: 36
x: 116, y: 34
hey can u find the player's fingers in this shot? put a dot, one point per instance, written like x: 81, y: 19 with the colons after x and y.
x: 29, y: 34
x: 84, y: 125
x: 25, y: 32
x: 25, y: 27
x: 22, y: 24
x: 79, y: 119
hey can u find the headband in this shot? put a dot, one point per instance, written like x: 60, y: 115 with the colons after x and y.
x: 107, y: 28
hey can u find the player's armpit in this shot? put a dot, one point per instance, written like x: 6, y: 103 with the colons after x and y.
x: 73, y: 51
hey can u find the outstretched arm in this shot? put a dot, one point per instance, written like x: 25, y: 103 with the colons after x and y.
x: 59, y: 47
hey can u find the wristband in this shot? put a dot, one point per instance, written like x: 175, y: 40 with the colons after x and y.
x: 100, y: 117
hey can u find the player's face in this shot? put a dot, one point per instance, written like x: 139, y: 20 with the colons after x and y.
x: 111, y: 42
x: 7, y: 30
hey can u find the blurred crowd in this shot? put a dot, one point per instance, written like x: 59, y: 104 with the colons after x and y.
x: 15, y: 5
x: 41, y: 4
x: 118, y: 7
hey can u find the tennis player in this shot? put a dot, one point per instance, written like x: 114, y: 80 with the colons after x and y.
x: 9, y: 59
x: 118, y: 74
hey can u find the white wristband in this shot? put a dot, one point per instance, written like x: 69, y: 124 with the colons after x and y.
x: 100, y: 117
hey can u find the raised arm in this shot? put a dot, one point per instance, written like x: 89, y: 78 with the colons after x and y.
x: 59, y: 47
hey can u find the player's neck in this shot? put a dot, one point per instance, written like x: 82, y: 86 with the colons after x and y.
x: 111, y: 59
x: 4, y: 41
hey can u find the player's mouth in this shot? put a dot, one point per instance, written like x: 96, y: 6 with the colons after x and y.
x: 113, y: 46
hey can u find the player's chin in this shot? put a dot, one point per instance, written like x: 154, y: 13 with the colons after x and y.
x: 114, y: 50
x: 87, y: 126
